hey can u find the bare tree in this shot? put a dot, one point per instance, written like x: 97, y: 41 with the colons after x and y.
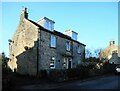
x: 97, y: 52
x: 4, y: 60
x: 103, y: 56
x: 88, y: 53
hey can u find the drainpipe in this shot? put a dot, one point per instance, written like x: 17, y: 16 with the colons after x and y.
x: 38, y: 51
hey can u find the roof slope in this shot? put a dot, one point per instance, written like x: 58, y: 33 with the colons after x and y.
x: 56, y: 33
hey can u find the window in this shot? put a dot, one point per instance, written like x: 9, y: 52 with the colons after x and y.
x: 64, y: 64
x: 52, y: 62
x: 53, y: 41
x: 79, y: 61
x: 68, y: 46
x: 47, y: 24
x: 74, y: 35
x: 78, y: 49
x: 115, y: 51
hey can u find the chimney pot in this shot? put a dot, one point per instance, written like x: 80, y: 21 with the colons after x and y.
x: 112, y: 42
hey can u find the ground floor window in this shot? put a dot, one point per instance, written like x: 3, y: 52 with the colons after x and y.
x: 64, y: 64
x: 52, y: 62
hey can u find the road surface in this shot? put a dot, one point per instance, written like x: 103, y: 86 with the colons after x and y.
x: 105, y: 82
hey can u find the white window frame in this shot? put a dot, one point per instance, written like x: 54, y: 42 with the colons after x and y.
x: 53, y: 41
x: 52, y: 59
x: 68, y: 45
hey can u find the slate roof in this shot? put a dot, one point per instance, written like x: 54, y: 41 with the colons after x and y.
x: 56, y: 33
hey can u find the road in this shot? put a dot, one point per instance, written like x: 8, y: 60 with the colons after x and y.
x: 105, y: 82
x: 102, y: 82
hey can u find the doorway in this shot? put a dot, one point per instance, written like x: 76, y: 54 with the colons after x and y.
x: 68, y: 63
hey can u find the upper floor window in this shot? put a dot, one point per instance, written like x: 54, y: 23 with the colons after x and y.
x: 47, y: 24
x: 78, y: 49
x: 68, y: 46
x: 115, y: 51
x: 52, y: 62
x: 74, y: 35
x: 53, y: 41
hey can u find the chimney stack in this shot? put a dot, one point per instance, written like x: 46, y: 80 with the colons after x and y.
x: 24, y: 13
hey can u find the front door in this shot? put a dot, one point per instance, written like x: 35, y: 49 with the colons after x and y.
x: 68, y: 63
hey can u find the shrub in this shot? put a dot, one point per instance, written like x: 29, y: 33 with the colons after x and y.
x: 108, y: 68
x: 68, y: 74
x: 82, y: 71
x: 55, y: 74
x: 42, y: 74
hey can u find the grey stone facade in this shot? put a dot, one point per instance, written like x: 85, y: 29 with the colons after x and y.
x: 30, y: 49
x: 111, y: 53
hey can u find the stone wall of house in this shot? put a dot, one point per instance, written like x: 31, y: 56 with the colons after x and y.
x: 78, y: 56
x: 30, y: 49
x: 28, y: 59
x: 46, y: 52
x: 110, y: 53
x: 107, y: 52
x: 23, y: 50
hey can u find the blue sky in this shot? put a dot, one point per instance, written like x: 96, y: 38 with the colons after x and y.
x: 95, y: 22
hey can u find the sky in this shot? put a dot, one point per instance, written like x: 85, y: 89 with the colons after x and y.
x: 95, y: 22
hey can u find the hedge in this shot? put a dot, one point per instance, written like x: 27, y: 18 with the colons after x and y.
x: 81, y: 72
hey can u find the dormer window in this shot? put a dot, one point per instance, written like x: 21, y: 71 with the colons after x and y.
x: 46, y: 23
x: 72, y: 34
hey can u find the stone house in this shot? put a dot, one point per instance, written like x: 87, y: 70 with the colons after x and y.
x: 111, y: 53
x: 37, y: 46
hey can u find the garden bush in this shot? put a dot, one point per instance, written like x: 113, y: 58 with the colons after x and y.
x: 82, y: 71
